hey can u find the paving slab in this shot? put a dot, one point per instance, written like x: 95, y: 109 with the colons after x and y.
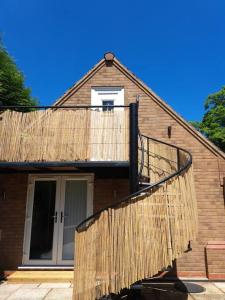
x: 30, y: 285
x: 60, y: 294
x: 55, y: 285
x: 211, y: 289
x: 7, y: 289
x: 220, y: 285
x: 29, y: 294
x: 208, y: 297
x: 64, y: 291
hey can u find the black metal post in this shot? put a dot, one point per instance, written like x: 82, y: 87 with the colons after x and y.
x: 133, y: 168
x: 148, y: 161
x: 178, y: 159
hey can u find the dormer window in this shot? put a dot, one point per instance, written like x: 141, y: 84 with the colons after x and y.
x: 107, y: 96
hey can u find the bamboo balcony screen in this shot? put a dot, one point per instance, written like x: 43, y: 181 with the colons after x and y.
x: 138, y: 237
x: 64, y: 135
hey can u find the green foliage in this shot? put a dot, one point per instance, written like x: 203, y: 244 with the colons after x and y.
x: 213, y: 122
x: 12, y: 88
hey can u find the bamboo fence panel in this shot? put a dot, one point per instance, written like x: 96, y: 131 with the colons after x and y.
x: 64, y: 135
x: 108, y: 130
x: 136, y: 239
x: 160, y: 160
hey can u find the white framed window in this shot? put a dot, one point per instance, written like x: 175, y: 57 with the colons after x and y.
x: 107, y: 105
x: 107, y: 96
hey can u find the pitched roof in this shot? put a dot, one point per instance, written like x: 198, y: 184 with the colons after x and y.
x: 149, y: 92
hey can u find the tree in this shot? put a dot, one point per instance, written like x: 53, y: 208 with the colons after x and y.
x: 12, y: 87
x: 213, y: 122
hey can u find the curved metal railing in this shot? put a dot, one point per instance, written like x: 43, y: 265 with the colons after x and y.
x: 150, y: 187
x: 141, y: 155
x: 140, y: 234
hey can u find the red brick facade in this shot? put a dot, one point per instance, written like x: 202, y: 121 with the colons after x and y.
x: 154, y: 119
x: 13, y: 208
x: 215, y: 265
x: 12, y: 217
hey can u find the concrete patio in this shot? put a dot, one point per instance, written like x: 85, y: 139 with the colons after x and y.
x: 36, y: 291
x: 63, y: 291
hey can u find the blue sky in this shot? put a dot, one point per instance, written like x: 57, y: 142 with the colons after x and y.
x: 175, y: 47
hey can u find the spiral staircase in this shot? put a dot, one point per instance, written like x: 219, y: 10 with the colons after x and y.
x: 141, y: 234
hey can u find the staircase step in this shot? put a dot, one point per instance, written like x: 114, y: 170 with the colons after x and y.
x: 40, y: 276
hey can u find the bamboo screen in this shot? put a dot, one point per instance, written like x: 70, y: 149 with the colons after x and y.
x: 64, y: 135
x: 136, y: 239
x: 160, y: 160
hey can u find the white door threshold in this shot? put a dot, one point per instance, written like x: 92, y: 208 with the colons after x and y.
x: 53, y: 268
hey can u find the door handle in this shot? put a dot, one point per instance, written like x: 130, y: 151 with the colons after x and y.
x: 55, y: 217
x: 62, y: 216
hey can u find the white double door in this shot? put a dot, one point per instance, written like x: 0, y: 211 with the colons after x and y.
x: 56, y: 204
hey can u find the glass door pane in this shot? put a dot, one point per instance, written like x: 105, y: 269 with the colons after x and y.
x: 42, y: 230
x: 75, y: 211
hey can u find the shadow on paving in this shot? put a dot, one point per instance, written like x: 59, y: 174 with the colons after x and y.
x: 152, y: 291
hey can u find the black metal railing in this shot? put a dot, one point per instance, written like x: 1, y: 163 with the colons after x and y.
x: 149, y: 188
x: 21, y: 107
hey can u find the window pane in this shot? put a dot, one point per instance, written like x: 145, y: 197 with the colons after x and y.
x: 74, y: 212
x: 42, y: 220
x: 107, y: 105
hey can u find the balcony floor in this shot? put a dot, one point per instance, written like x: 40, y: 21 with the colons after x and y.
x: 104, y: 169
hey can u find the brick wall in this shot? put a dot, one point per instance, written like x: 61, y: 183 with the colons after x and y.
x: 154, y: 121
x: 13, y: 207
x: 12, y: 216
x: 107, y: 191
x: 215, y: 265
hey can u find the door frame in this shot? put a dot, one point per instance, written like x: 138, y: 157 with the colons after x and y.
x: 29, y: 213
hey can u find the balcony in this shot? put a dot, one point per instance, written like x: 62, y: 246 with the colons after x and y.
x: 61, y: 136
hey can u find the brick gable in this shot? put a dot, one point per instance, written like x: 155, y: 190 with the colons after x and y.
x: 154, y: 120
